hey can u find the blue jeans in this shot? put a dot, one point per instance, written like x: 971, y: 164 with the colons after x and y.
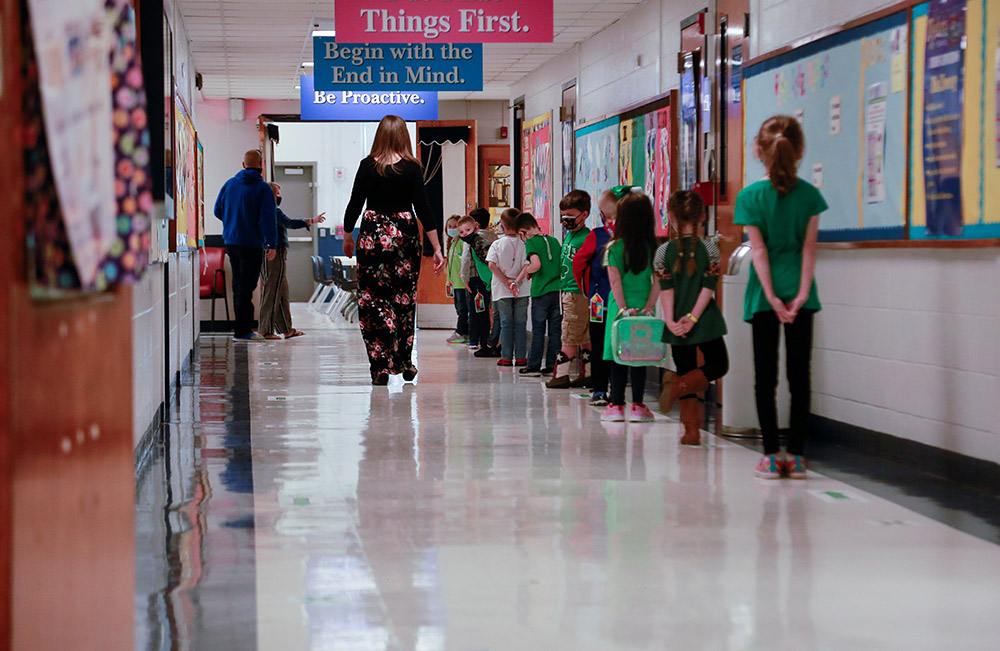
x: 462, y: 309
x: 513, y: 327
x: 545, y: 312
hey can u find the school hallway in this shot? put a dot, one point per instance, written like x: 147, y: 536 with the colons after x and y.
x: 292, y: 505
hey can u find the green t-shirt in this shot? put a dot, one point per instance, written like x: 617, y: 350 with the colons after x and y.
x: 635, y: 287
x: 783, y: 221
x: 549, y: 252
x: 455, y: 264
x: 572, y: 243
x: 672, y: 260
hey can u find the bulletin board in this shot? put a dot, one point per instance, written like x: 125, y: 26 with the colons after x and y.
x: 536, y: 165
x: 646, y: 158
x: 975, y: 102
x: 597, y: 161
x: 849, y: 91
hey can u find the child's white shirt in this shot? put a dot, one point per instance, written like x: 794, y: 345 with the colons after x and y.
x: 508, y: 254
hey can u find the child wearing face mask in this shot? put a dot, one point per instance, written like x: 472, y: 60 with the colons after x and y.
x: 478, y: 238
x: 455, y: 285
x: 592, y: 277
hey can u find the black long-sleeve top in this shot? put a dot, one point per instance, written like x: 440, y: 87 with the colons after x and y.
x: 284, y: 223
x: 400, y: 190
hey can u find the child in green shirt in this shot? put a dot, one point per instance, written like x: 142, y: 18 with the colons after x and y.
x: 574, y: 209
x: 688, y: 268
x: 629, y: 260
x: 781, y: 213
x: 544, y: 255
x: 455, y: 285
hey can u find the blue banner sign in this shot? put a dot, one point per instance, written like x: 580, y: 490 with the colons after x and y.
x: 383, y: 66
x: 943, y: 93
x: 364, y: 105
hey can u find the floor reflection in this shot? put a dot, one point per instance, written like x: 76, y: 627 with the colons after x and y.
x: 475, y: 510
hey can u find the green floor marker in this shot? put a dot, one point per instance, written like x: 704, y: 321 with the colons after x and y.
x: 301, y: 501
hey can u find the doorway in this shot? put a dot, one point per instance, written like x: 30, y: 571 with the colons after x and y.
x: 298, y: 201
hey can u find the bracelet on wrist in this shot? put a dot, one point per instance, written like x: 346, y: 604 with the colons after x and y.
x: 692, y: 317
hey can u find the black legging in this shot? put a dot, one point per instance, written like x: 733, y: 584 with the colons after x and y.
x: 798, y: 352
x: 716, y: 359
x: 599, y: 367
x: 620, y: 376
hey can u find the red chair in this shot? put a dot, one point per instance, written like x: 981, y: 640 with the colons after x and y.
x: 213, y: 278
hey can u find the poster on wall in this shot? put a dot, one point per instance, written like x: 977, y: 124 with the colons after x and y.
x: 875, y: 142
x: 185, y: 179
x: 536, y: 161
x: 688, y: 164
x: 996, y: 108
x: 597, y: 161
x: 942, y: 124
x: 200, y: 153
x: 625, y: 133
x: 661, y: 140
x: 568, y: 166
x: 72, y: 41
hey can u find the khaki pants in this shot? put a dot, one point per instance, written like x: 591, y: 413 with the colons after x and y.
x: 275, y: 313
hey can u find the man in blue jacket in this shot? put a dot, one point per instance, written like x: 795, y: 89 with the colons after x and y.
x: 249, y: 227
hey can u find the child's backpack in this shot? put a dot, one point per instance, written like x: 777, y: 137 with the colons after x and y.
x: 638, y: 340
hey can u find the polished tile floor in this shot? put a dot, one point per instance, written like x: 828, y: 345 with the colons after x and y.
x: 292, y: 505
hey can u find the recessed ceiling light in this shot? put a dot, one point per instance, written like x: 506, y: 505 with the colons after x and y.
x: 297, y: 87
x: 307, y: 64
x: 323, y: 32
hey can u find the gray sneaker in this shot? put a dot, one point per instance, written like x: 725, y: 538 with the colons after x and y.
x: 253, y: 336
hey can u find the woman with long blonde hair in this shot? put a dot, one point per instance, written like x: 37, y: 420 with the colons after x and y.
x: 391, y: 182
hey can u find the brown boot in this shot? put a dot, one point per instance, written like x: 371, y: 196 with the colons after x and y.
x: 693, y: 382
x: 691, y: 418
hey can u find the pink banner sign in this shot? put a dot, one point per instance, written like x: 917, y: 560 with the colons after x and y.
x: 443, y: 21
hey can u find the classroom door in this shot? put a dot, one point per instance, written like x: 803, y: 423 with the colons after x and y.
x: 691, y: 124
x: 731, y: 51
x: 495, y: 179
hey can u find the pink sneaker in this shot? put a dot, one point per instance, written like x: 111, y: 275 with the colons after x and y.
x: 640, y: 414
x: 795, y: 467
x: 614, y: 414
x: 768, y: 467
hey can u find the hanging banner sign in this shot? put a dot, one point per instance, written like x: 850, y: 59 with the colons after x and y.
x: 414, y: 66
x: 944, y: 61
x: 444, y: 21
x: 364, y: 106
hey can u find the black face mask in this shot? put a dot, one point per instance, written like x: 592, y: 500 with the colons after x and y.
x: 277, y: 201
x: 469, y: 239
x: 569, y: 223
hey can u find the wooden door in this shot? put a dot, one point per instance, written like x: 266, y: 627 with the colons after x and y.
x: 732, y: 52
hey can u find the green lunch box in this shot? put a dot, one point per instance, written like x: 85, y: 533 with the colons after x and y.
x: 638, y: 341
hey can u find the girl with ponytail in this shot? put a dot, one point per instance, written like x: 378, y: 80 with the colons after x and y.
x: 688, y: 268
x: 781, y: 213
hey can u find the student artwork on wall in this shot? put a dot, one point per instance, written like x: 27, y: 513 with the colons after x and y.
x: 540, y: 141
x: 658, y: 164
x: 185, y: 179
x: 597, y: 150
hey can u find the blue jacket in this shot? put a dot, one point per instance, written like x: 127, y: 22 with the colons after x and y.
x: 247, y: 210
x: 284, y: 223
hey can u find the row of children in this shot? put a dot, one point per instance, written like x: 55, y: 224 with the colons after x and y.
x: 595, y: 277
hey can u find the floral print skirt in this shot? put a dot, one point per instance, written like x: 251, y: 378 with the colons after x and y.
x: 388, y: 253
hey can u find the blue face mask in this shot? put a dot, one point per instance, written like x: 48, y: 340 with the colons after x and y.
x: 452, y: 232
